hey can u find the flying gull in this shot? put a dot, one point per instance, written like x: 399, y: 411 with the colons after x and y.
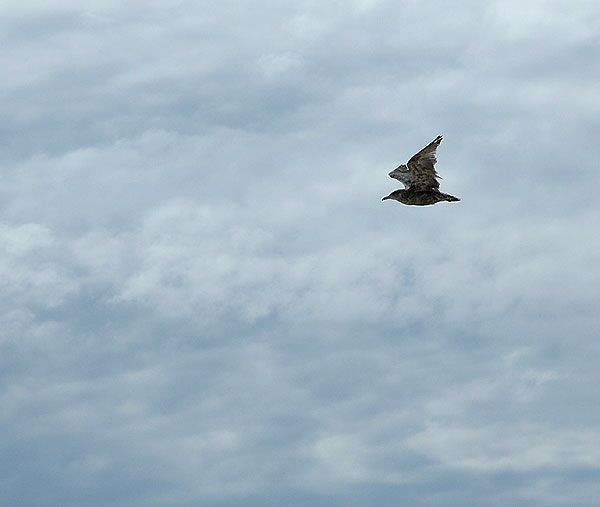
x: 419, y: 177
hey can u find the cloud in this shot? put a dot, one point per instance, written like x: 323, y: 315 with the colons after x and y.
x: 205, y: 301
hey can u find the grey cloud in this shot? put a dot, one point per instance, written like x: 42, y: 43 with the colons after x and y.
x: 204, y: 300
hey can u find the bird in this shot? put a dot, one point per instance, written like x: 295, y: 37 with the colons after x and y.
x: 420, y: 179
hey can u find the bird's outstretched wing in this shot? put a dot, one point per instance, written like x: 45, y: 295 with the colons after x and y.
x: 421, y: 167
x: 401, y: 173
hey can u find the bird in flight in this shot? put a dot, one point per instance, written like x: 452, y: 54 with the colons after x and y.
x: 420, y: 179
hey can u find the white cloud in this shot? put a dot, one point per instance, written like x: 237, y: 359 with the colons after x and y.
x: 204, y: 300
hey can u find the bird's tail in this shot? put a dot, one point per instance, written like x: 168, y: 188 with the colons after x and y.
x: 451, y: 198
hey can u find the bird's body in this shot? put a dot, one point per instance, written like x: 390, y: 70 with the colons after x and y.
x: 420, y: 179
x: 413, y: 197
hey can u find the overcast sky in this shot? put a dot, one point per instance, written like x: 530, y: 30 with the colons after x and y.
x: 203, y: 300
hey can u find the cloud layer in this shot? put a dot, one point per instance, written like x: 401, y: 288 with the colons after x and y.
x: 205, y: 302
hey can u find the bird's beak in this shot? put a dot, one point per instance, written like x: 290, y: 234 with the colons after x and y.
x: 386, y: 197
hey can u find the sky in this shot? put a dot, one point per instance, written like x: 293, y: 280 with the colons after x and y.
x: 204, y: 302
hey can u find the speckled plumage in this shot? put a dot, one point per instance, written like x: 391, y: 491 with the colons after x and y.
x: 420, y: 179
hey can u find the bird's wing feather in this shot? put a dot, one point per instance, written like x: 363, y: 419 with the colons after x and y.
x: 421, y: 167
x: 402, y: 174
